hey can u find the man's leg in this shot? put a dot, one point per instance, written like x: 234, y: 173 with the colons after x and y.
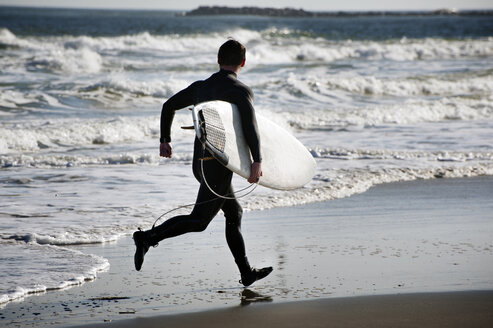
x: 233, y: 214
x: 206, y: 207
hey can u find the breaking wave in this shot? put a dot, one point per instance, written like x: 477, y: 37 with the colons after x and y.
x: 92, y: 54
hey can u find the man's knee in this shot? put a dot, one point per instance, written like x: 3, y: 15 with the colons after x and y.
x: 200, y: 226
x: 201, y: 220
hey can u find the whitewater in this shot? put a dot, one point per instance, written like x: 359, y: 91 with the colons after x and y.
x: 374, y: 99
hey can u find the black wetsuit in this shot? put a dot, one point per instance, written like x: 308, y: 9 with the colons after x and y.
x: 222, y: 85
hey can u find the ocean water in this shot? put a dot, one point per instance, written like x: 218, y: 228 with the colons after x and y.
x: 375, y: 100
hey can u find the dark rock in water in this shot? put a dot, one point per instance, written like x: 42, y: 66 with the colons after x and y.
x: 292, y: 12
x: 254, y: 11
x: 446, y: 11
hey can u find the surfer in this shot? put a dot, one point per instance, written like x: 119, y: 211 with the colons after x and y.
x: 223, y: 85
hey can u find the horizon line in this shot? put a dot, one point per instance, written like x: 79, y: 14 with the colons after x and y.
x: 298, y: 8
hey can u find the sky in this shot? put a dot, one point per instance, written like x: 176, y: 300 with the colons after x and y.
x: 313, y: 5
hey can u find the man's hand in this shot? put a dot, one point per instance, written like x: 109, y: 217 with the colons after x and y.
x: 166, y: 150
x: 255, y: 172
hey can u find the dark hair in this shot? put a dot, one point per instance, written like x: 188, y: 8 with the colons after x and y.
x: 231, y: 52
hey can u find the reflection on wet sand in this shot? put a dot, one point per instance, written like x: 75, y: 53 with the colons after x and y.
x: 249, y: 296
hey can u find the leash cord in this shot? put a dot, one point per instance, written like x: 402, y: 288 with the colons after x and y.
x: 218, y: 196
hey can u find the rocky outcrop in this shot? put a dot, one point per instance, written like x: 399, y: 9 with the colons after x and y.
x: 255, y: 11
x: 292, y: 12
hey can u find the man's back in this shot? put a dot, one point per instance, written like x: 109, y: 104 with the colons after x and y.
x: 222, y: 85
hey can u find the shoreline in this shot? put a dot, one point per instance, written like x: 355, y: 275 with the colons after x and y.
x: 453, y: 309
x: 400, y: 238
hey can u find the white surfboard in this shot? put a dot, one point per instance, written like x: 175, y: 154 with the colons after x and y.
x: 286, y: 163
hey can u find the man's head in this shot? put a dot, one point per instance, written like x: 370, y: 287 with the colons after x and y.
x: 231, y: 53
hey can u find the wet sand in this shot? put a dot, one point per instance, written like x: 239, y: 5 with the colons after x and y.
x: 459, y: 309
x: 413, y: 241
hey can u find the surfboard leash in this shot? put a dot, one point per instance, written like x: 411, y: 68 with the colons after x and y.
x: 225, y: 196
x: 210, y: 200
x: 218, y: 196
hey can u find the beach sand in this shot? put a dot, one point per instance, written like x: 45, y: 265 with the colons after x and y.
x: 402, y: 254
x: 459, y: 309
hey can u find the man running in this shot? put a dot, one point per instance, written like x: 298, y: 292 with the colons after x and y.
x: 222, y: 85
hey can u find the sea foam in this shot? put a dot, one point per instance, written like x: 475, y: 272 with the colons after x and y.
x: 61, y: 274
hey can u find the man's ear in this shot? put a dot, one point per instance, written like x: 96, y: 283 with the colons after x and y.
x: 243, y: 63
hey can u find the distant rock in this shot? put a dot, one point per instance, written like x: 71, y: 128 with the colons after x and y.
x: 446, y: 11
x: 254, y: 11
x: 291, y: 12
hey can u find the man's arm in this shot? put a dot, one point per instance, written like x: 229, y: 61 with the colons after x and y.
x: 250, y: 131
x: 180, y: 100
x: 250, y: 128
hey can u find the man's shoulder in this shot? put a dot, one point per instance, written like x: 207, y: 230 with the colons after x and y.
x: 224, y: 86
x: 244, y: 87
x: 197, y: 83
x: 240, y: 88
